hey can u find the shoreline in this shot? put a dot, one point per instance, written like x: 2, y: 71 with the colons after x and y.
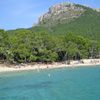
x: 25, y: 67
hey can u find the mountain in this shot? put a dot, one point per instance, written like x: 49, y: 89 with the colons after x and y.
x: 71, y: 18
x: 60, y: 13
x: 66, y: 32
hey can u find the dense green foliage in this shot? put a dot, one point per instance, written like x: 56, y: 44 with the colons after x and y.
x: 26, y: 46
x: 78, y: 39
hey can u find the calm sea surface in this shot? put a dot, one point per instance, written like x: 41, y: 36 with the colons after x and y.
x: 81, y: 83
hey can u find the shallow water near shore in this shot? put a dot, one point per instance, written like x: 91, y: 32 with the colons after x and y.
x: 81, y: 83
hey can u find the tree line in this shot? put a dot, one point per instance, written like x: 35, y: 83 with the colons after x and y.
x: 26, y: 46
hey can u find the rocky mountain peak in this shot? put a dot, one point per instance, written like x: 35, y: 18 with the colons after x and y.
x: 59, y: 7
x: 61, y: 12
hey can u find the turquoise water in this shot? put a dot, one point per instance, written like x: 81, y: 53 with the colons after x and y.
x: 82, y: 83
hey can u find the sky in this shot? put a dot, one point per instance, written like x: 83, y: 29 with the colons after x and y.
x: 25, y: 13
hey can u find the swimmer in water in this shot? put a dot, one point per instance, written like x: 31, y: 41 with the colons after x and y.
x: 49, y: 75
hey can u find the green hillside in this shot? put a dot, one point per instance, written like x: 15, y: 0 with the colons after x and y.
x: 88, y: 24
x: 74, y: 38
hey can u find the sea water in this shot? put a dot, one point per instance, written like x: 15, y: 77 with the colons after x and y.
x: 81, y: 83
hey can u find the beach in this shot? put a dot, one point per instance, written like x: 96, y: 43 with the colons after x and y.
x: 37, y: 66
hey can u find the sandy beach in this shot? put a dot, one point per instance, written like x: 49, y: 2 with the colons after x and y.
x: 73, y: 64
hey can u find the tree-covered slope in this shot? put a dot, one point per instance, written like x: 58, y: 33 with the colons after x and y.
x: 86, y: 24
x: 26, y: 46
x: 73, y: 38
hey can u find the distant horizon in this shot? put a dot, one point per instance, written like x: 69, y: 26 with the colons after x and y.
x: 25, y: 13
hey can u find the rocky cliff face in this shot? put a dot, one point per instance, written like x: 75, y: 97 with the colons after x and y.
x: 60, y: 13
